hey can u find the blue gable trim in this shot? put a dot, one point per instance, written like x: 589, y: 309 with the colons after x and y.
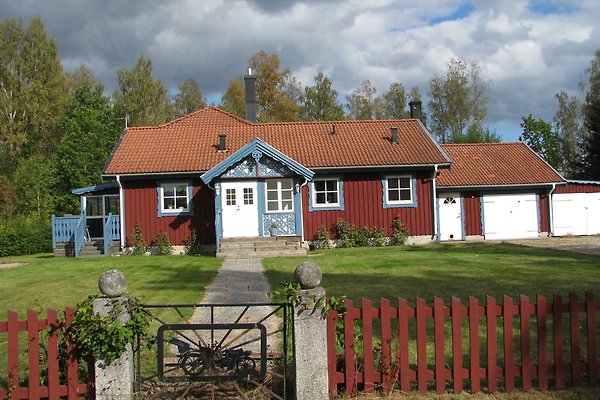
x: 256, y: 148
x: 95, y: 188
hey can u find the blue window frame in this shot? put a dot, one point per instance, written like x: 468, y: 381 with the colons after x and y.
x: 399, y: 191
x: 326, y: 193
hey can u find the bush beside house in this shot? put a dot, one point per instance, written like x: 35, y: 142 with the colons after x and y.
x: 25, y: 235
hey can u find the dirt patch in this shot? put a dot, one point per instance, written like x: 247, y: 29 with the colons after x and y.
x: 11, y: 265
x: 579, y: 244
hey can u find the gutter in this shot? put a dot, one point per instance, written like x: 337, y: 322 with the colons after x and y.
x: 551, y: 211
x: 435, y: 204
x: 121, y: 210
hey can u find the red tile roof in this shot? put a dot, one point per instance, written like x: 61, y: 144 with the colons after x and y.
x: 189, y: 144
x: 495, y: 164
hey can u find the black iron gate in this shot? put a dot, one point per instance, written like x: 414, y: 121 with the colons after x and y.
x: 215, y: 351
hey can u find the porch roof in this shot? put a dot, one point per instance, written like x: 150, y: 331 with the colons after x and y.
x: 95, y: 188
x: 256, y: 145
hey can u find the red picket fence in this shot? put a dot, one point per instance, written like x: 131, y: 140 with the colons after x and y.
x: 59, y: 381
x: 507, y: 346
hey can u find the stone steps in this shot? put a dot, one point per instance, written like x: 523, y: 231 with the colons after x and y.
x: 281, y: 246
x: 92, y: 248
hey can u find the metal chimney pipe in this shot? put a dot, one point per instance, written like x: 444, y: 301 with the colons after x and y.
x: 222, y: 142
x: 394, y: 132
x: 415, y: 109
x: 250, y: 93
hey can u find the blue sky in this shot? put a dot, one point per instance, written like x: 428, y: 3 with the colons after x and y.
x: 528, y: 50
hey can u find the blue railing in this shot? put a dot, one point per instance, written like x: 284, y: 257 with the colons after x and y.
x: 80, y: 235
x: 112, y: 232
x: 64, y: 228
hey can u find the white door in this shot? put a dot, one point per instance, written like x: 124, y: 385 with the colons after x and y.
x: 510, y: 216
x: 239, y: 207
x: 450, y: 215
x: 576, y: 214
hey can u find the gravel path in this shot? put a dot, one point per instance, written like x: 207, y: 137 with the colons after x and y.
x: 579, y: 244
x: 240, y: 281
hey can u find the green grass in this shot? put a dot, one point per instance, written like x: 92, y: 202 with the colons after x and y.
x: 56, y: 282
x: 446, y: 270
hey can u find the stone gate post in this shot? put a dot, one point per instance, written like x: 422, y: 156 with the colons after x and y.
x: 114, y: 381
x: 310, y: 335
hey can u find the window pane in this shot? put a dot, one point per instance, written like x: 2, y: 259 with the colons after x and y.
x: 169, y: 203
x: 271, y: 184
x: 319, y: 186
x: 169, y: 190
x: 230, y: 197
x: 320, y: 198
x: 332, y: 186
x: 181, y: 202
x: 111, y: 205
x: 287, y: 205
x: 93, y: 205
x: 393, y: 195
x: 405, y: 195
x: 286, y: 195
x: 392, y: 183
x: 248, y: 196
x: 405, y: 182
x: 272, y: 206
x: 181, y: 190
x: 286, y: 184
x: 332, y: 198
x: 272, y: 196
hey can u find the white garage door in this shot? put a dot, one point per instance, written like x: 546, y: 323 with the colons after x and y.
x: 510, y: 216
x: 576, y: 214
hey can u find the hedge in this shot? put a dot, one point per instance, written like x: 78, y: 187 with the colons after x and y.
x: 25, y: 235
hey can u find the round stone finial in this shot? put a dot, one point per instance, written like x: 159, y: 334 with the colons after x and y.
x: 113, y: 283
x: 308, y: 275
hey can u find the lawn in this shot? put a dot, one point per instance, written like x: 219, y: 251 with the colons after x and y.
x: 446, y: 270
x: 47, y: 281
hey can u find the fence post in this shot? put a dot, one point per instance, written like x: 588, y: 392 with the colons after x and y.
x: 310, y: 335
x: 114, y: 381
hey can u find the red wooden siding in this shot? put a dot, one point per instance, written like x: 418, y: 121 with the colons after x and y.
x: 363, y: 207
x: 472, y: 210
x: 47, y: 376
x: 468, y: 345
x: 141, y: 201
x: 544, y: 211
x: 577, y: 188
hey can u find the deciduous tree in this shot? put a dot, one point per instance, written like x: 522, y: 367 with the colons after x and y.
x: 34, y: 181
x: 320, y: 102
x: 569, y: 126
x: 543, y: 139
x: 361, y: 102
x: 233, y: 100
x: 458, y: 100
x: 188, y: 99
x: 140, y: 97
x: 591, y: 110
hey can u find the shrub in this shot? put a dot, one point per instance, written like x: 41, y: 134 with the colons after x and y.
x: 370, y: 237
x: 138, y: 243
x: 161, y: 245
x: 400, y: 231
x: 323, y: 238
x: 192, y: 244
x: 25, y: 235
x: 346, y: 233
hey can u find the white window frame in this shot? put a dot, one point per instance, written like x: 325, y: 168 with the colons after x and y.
x: 339, y: 205
x: 400, y: 189
x: 279, y: 199
x: 161, y: 198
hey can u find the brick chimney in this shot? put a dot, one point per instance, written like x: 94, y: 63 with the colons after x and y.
x: 222, y: 142
x: 394, y: 133
x: 250, y: 93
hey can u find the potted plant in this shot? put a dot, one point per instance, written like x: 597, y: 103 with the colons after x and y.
x: 274, y: 229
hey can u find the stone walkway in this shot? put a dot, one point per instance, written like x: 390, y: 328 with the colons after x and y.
x: 240, y: 281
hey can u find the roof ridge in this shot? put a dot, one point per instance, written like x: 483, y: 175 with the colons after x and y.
x: 480, y: 144
x: 343, y: 121
x: 193, y: 113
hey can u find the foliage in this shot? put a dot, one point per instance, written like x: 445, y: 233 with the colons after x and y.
x: 478, y: 134
x: 458, y: 99
x: 161, y: 245
x: 8, y: 198
x: 569, y: 126
x: 83, y: 75
x: 91, y: 132
x: 394, y: 102
x: 400, y: 231
x: 188, y: 99
x: 323, y: 238
x: 138, y: 243
x: 361, y: 103
x: 35, y: 185
x: 105, y: 336
x: 591, y: 142
x: 25, y: 235
x: 233, y: 100
x: 141, y: 97
x: 276, y: 89
x: 345, y: 233
x: 539, y: 135
x: 320, y: 102
x: 192, y: 244
x: 33, y: 89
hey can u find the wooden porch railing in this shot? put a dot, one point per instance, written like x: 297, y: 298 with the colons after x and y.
x: 112, y: 232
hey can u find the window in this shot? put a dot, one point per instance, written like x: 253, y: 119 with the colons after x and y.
x: 230, y: 197
x: 280, y: 195
x: 327, y: 194
x: 248, y: 196
x: 97, y: 209
x: 174, y: 198
x: 398, y: 191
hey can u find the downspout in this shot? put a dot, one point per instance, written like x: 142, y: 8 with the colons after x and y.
x: 121, y: 211
x: 550, y: 211
x: 435, y: 204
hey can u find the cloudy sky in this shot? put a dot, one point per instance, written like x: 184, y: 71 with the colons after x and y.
x: 529, y: 50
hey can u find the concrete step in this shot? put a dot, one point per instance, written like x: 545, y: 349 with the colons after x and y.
x: 263, y: 254
x: 281, y: 246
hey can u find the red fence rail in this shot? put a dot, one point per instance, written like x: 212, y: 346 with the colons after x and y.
x: 460, y: 347
x: 48, y: 379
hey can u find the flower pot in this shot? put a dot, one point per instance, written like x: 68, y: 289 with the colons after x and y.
x: 274, y: 231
